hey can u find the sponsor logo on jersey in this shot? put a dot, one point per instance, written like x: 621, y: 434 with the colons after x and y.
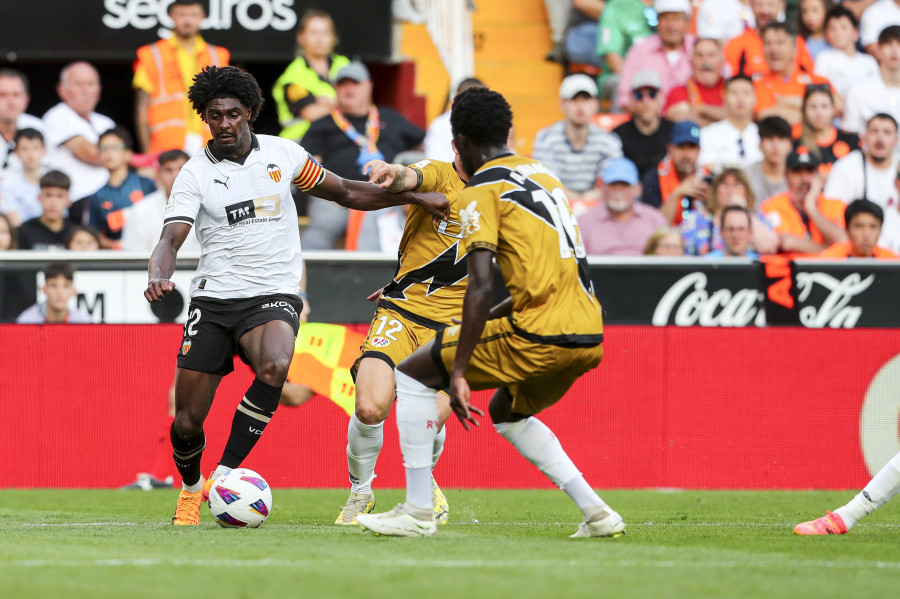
x: 185, y: 347
x: 257, y: 210
x: 380, y: 341
x: 240, y: 212
x: 274, y: 172
x: 470, y: 219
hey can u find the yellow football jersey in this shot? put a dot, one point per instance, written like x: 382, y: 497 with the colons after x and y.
x: 430, y: 282
x: 515, y: 207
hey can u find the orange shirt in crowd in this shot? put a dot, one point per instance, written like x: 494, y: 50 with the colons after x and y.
x: 784, y: 217
x: 844, y: 250
x: 744, y: 54
x: 768, y: 87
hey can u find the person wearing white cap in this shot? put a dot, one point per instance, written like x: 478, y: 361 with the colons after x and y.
x: 575, y: 149
x: 668, y: 51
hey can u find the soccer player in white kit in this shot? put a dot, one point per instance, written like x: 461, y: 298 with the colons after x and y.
x: 237, y: 194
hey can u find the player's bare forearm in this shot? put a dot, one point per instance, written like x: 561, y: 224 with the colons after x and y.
x: 393, y: 177
x: 476, y: 307
x: 162, y: 261
x: 360, y: 195
x: 501, y: 310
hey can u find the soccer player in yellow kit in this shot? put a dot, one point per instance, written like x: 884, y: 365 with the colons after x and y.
x: 513, y: 209
x: 425, y: 294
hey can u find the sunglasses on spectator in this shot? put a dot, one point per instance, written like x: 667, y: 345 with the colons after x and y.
x: 818, y: 87
x: 649, y: 92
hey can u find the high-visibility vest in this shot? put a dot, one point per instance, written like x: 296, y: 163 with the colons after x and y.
x: 300, y: 73
x: 167, y: 113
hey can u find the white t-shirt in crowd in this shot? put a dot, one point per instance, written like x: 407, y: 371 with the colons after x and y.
x: 144, y: 223
x: 18, y: 194
x: 722, y: 144
x: 62, y: 123
x: 844, y: 71
x: 877, y: 18
x: 845, y: 182
x: 8, y: 160
x: 723, y: 19
x: 868, y: 99
x: 437, y: 139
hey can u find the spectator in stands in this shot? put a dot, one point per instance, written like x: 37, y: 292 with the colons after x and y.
x: 49, y: 230
x: 767, y: 176
x: 676, y: 183
x: 804, y: 219
x: 841, y: 63
x: 82, y: 239
x: 581, y: 33
x: 724, y: 19
x: 622, y: 23
x: 702, y: 224
x: 59, y: 290
x: 574, y: 148
x: 864, y: 221
x: 780, y: 92
x: 880, y: 94
x: 665, y: 242
x: 303, y: 93
x: 619, y: 225
x: 14, y: 98
x: 356, y: 132
x: 870, y: 173
x: 163, y: 73
x: 125, y: 187
x: 811, y: 24
x: 874, y: 20
x: 645, y: 136
x: 72, y: 130
x: 8, y: 238
x: 19, y: 188
x: 700, y: 100
x: 438, y: 135
x: 737, y: 232
x: 668, y: 51
x: 744, y: 55
x: 816, y: 131
x: 733, y: 141
x: 144, y: 220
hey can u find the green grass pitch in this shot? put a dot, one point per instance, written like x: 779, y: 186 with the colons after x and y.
x: 506, y: 544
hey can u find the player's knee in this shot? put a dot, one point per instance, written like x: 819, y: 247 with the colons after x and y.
x: 273, y: 370
x: 372, y: 412
x: 187, y: 426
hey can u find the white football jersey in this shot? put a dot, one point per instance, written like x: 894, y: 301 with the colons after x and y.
x: 245, y: 218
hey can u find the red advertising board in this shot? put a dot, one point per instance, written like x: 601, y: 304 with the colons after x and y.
x: 700, y: 408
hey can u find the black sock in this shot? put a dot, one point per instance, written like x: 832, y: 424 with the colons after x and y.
x: 187, y: 455
x: 254, y: 412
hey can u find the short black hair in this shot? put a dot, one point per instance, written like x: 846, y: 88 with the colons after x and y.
x: 28, y: 133
x: 56, y: 179
x: 481, y: 115
x: 225, y: 82
x: 883, y: 116
x: 738, y: 77
x: 172, y: 156
x: 777, y: 26
x: 857, y: 207
x: 122, y: 133
x: 187, y: 3
x: 59, y: 269
x: 839, y: 11
x: 6, y: 72
x: 774, y: 126
x: 889, y: 34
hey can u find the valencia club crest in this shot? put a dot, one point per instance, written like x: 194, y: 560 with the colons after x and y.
x: 274, y: 172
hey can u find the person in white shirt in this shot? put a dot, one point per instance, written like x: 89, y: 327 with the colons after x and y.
x: 19, y: 189
x: 245, y: 295
x: 870, y: 174
x: 14, y: 100
x: 724, y: 19
x: 144, y: 220
x: 72, y: 130
x: 880, y: 94
x: 438, y: 136
x: 841, y: 63
x: 733, y: 141
x: 874, y: 20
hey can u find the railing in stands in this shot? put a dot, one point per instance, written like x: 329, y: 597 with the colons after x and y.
x: 449, y: 22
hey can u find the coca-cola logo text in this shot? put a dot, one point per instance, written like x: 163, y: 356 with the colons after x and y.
x: 834, y: 311
x: 692, y: 304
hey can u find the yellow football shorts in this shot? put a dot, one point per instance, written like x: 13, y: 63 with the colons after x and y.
x: 392, y: 337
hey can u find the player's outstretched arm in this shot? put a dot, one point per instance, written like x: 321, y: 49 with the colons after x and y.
x: 162, y: 261
x: 393, y: 177
x: 360, y: 195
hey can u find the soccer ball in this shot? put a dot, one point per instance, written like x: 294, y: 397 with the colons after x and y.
x: 240, y: 498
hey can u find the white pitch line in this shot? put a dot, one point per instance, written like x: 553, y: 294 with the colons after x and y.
x: 469, y: 523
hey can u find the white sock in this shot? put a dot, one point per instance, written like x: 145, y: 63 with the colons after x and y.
x: 584, y: 497
x: 539, y: 445
x: 417, y: 423
x: 364, y: 443
x: 883, y: 486
x: 220, y: 470
x: 193, y: 488
x: 438, y: 447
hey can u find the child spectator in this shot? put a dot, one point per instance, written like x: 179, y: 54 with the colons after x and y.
x: 767, y: 176
x: 811, y: 24
x: 49, y: 230
x: 841, y: 63
x: 19, y: 189
x: 816, y: 131
x: 125, y: 187
x: 82, y: 239
x: 8, y: 239
x: 60, y: 289
x: 864, y: 220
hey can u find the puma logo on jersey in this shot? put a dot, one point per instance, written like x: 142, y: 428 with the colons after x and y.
x: 225, y: 183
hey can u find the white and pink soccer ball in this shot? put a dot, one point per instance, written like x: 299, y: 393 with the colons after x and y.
x: 240, y: 498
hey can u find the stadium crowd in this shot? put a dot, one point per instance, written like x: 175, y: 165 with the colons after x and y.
x: 787, y: 110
